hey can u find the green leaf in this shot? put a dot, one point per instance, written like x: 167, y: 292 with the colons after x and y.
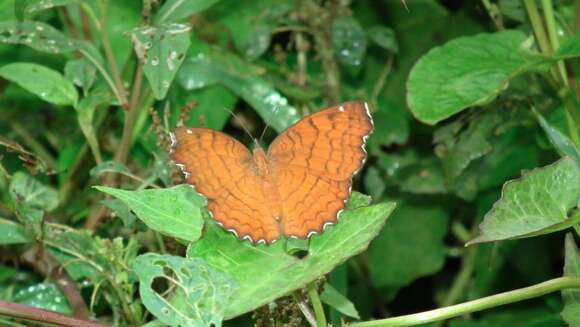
x: 173, y: 11
x: 242, y: 78
x: 349, y: 40
x: 468, y: 71
x: 12, y: 233
x: 48, y: 84
x: 571, y: 297
x: 109, y: 167
x: 212, y: 106
x: 410, y: 247
x: 423, y: 177
x: 81, y: 73
x: 34, y: 6
x: 122, y: 210
x: 570, y: 48
x: 37, y: 35
x: 333, y: 298
x: 265, y: 273
x: 85, y: 115
x: 44, y: 296
x: 561, y: 142
x: 204, y: 291
x: 537, y: 201
x: 26, y: 190
x: 176, y: 211
x: 162, y: 49
x: 384, y: 37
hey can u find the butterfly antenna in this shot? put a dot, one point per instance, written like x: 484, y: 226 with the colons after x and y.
x: 240, y: 120
x: 268, y: 125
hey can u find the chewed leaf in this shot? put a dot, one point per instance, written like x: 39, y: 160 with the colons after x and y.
x: 162, y: 50
x: 265, y: 273
x: 539, y: 201
x: 175, y: 211
x: 200, y: 295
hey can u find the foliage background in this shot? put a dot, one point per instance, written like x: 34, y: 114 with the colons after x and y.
x: 91, y: 88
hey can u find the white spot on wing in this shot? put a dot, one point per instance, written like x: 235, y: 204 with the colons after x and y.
x: 311, y: 233
x: 248, y: 237
x: 189, y: 131
x: 341, y: 108
x: 173, y: 140
x: 233, y: 231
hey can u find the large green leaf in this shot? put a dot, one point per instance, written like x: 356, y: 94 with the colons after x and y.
x: 468, y: 71
x: 536, y: 203
x: 410, y: 247
x: 173, y: 11
x: 47, y: 83
x: 12, y: 233
x: 265, y: 273
x: 571, y: 297
x: 175, y: 211
x: 162, y: 50
x: 349, y: 40
x: 201, y: 292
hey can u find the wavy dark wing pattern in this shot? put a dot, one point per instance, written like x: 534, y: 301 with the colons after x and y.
x: 313, y: 163
x: 220, y: 168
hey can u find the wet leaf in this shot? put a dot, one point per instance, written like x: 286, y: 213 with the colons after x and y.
x: 162, y: 50
x: 539, y: 200
x: 46, y: 83
x: 265, y: 273
x: 201, y: 292
x: 44, y: 296
x: 176, y: 211
x: 81, y: 72
x: 34, y: 6
x: 349, y: 41
x: 37, y: 35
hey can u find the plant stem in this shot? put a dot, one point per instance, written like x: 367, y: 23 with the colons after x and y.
x: 37, y: 148
x: 477, y: 305
x: 494, y: 14
x: 381, y: 80
x: 317, y: 305
x: 548, y: 8
x: 21, y: 311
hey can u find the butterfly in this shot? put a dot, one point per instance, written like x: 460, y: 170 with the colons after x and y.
x: 295, y: 189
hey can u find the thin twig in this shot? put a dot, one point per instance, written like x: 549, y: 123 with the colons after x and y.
x: 21, y: 311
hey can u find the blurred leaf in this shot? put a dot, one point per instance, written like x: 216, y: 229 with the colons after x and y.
x: 109, y: 167
x: 570, y: 48
x: 475, y: 70
x: 571, y: 297
x: 384, y: 37
x: 26, y: 190
x: 423, y: 177
x: 173, y: 11
x: 162, y: 50
x: 513, y: 9
x: 34, y: 6
x: 176, y: 211
x: 86, y: 112
x: 374, y: 182
x: 213, y: 106
x: 265, y: 273
x: 203, y: 291
x: 350, y: 43
x: 392, y: 123
x: 32, y: 219
x: 48, y: 84
x: 122, y: 210
x: 338, y: 301
x: 44, y: 296
x: 81, y: 72
x: 12, y: 233
x: 561, y: 142
x: 539, y: 200
x: 241, y: 78
x: 411, y: 246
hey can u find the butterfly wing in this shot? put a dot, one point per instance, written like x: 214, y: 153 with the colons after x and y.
x: 313, y: 164
x: 220, y: 168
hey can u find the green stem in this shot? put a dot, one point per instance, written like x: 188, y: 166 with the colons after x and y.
x: 548, y: 8
x: 316, y: 305
x: 477, y: 305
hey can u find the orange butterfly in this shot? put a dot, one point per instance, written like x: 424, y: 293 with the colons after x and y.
x: 295, y: 189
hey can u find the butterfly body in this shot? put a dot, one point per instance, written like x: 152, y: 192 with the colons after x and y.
x: 295, y: 189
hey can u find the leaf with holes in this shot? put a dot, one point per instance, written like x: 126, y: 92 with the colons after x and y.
x: 200, y: 296
x: 162, y: 50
